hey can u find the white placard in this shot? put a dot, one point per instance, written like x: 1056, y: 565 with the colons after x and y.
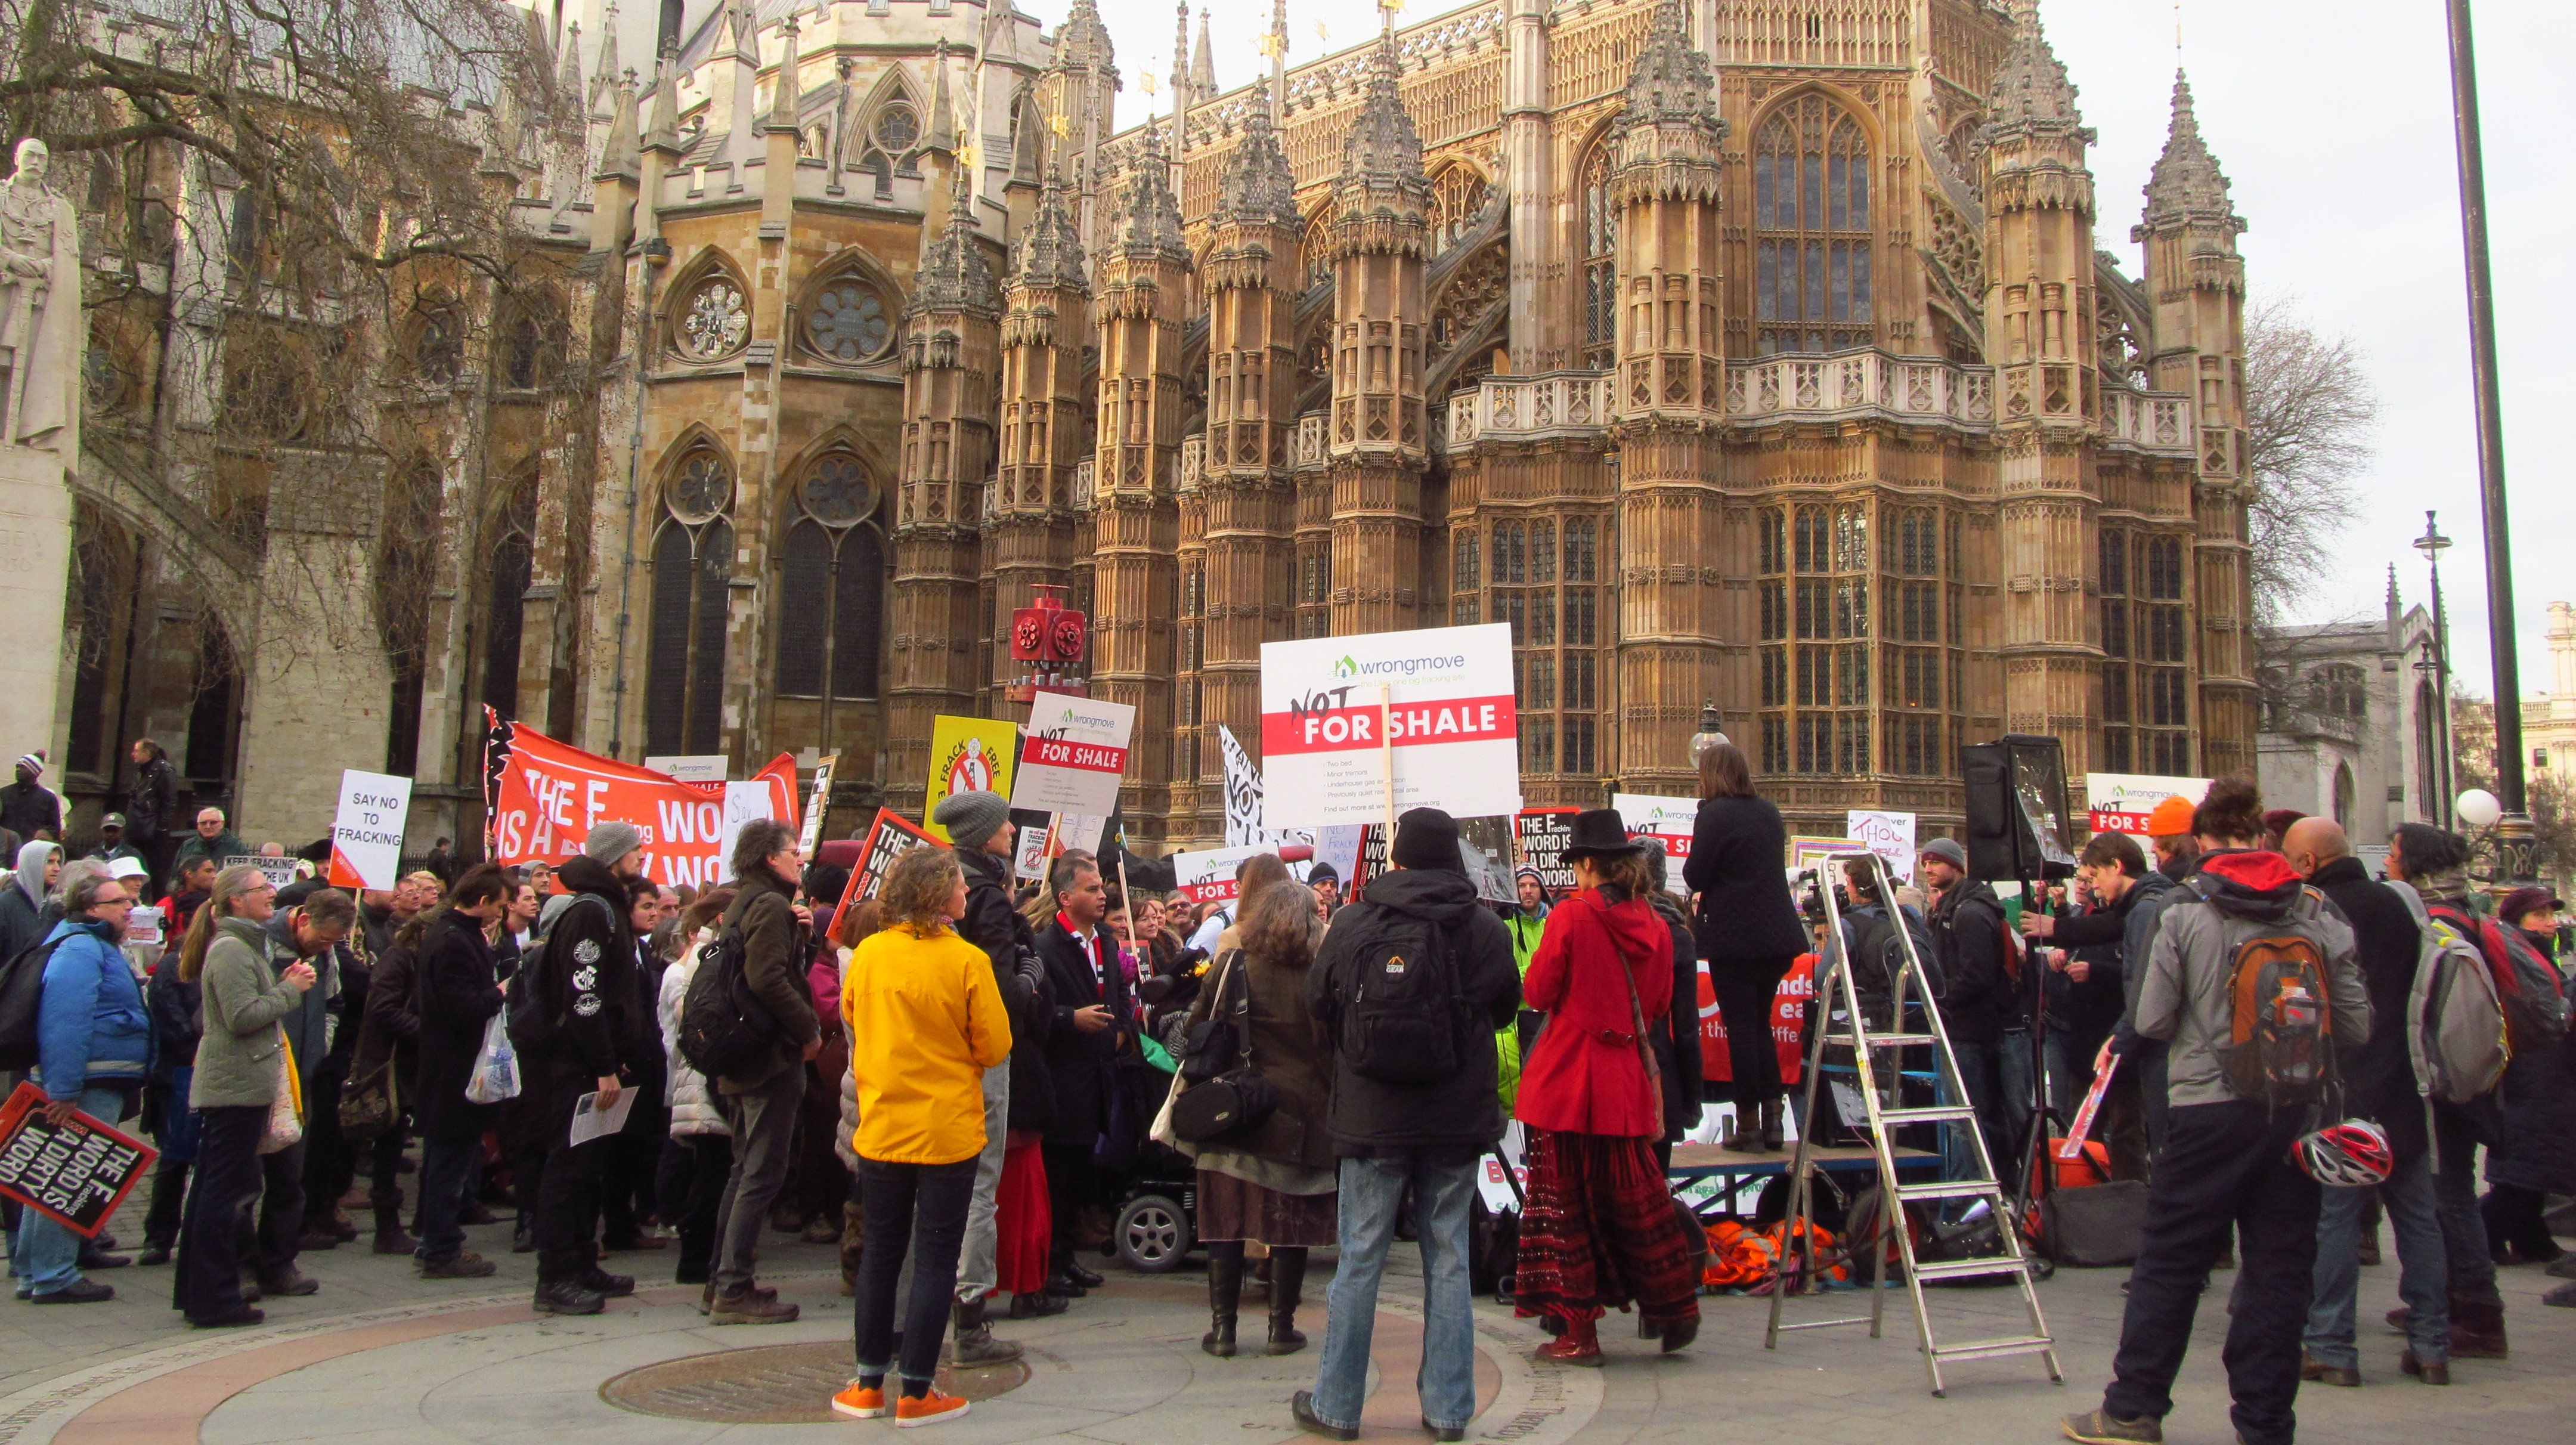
x: 1443, y: 695
x: 819, y: 803
x: 278, y: 871
x: 1029, y: 858
x: 1074, y: 755
x: 367, y: 835
x: 689, y: 767
x: 1889, y: 835
x: 744, y: 803
x: 2122, y: 802
x: 143, y: 924
x: 1669, y: 818
x: 1202, y: 877
x: 1242, y: 793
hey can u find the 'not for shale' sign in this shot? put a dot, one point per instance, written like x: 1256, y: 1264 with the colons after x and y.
x: 1075, y: 753
x: 1330, y: 707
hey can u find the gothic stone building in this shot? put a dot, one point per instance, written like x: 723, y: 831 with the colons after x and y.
x: 1746, y: 351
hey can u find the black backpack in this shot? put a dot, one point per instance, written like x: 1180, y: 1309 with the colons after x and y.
x: 723, y: 1029
x: 534, y: 1021
x: 1401, y: 1025
x: 1878, y: 952
x: 22, y: 1000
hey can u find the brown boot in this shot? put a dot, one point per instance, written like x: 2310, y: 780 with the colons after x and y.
x: 2477, y: 1329
x: 750, y: 1306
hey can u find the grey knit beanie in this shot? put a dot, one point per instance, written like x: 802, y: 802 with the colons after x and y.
x: 611, y: 841
x: 972, y: 818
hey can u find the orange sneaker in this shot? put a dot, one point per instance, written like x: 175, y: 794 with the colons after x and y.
x: 860, y: 1402
x: 930, y: 1409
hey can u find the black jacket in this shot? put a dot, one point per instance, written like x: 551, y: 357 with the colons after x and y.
x: 588, y: 978
x: 1081, y: 1066
x: 391, y: 1026
x: 1675, y: 1033
x: 2378, y: 1076
x: 2098, y: 936
x: 149, y: 802
x: 1454, y: 1118
x: 1968, y: 930
x: 27, y: 809
x: 457, y: 994
x: 993, y: 925
x: 177, y: 1022
x: 1739, y: 860
x: 773, y: 969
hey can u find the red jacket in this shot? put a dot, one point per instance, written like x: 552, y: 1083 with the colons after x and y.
x: 1584, y: 1076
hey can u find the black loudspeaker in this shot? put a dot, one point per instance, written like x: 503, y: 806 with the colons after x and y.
x: 2017, y: 819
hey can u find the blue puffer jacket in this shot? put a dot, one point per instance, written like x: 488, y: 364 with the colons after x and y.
x: 92, y: 1028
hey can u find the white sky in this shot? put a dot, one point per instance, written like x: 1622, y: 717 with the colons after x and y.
x: 2333, y: 119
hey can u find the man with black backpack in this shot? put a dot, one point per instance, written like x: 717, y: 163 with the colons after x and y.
x: 1981, y: 1006
x: 2252, y: 982
x: 1409, y: 987
x: 571, y: 1018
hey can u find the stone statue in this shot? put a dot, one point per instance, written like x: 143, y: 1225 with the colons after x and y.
x: 40, y: 305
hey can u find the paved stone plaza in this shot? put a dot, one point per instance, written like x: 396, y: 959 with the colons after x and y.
x: 378, y: 1356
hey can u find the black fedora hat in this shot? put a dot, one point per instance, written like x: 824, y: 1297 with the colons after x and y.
x: 1598, y: 831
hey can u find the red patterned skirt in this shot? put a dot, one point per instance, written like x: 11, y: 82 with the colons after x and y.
x: 1023, y: 1226
x: 1600, y: 1231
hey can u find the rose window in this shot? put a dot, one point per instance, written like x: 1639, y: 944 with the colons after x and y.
x: 702, y: 488
x: 837, y: 494
x: 849, y: 323
x: 716, y: 322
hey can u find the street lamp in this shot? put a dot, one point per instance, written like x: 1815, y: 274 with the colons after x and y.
x: 2517, y: 847
x: 2433, y: 544
x: 1709, y: 734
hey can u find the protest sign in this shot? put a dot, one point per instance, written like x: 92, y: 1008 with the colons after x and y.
x: 968, y: 755
x: 1889, y: 835
x: 890, y: 835
x: 1788, y: 1023
x: 1242, y: 792
x: 1670, y: 819
x: 1339, y: 847
x: 1434, y: 705
x: 1202, y: 877
x: 688, y: 767
x: 1075, y: 753
x: 1806, y: 853
x: 280, y: 871
x: 545, y: 796
x: 76, y: 1172
x: 143, y: 925
x: 817, y: 803
x: 1540, y: 836
x: 366, y: 837
x: 2122, y: 802
x: 1029, y: 859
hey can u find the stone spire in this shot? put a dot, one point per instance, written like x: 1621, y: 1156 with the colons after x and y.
x: 938, y: 128
x: 568, y: 74
x: 953, y: 274
x: 1083, y: 40
x: 1671, y: 83
x: 1051, y: 249
x: 603, y: 75
x: 622, y: 154
x: 1256, y: 187
x: 1181, y: 76
x: 786, y: 97
x: 2187, y: 184
x: 1150, y: 218
x: 1277, y: 44
x: 2031, y: 91
x: 1202, y: 66
x: 663, y: 131
x: 1382, y: 159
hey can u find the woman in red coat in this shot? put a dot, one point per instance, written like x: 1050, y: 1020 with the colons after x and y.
x: 1600, y: 1229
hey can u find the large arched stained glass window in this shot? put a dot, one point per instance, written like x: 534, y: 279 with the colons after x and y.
x: 1600, y: 263
x: 832, y: 583
x: 692, y: 577
x: 1811, y: 222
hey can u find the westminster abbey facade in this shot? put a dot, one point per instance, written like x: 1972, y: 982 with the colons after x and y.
x: 1755, y: 352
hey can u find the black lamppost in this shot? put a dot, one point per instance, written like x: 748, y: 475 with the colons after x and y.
x: 2516, y: 847
x: 2433, y: 544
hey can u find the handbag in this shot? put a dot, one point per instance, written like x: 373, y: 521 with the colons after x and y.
x: 286, y: 1105
x: 1236, y: 1101
x: 496, y: 1066
x: 368, y: 1106
x: 1645, y: 1050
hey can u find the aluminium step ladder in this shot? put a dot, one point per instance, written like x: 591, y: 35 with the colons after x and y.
x: 1886, y: 1114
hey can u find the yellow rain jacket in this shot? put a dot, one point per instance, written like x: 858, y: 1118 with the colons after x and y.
x: 925, y: 1021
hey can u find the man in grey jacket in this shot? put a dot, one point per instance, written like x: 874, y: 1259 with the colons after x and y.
x: 2227, y: 1162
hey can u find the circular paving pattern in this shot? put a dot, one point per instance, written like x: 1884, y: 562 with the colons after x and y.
x: 773, y: 1384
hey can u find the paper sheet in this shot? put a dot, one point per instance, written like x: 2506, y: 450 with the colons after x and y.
x: 590, y: 1122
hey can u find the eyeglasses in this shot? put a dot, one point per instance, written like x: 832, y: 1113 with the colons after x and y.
x: 119, y: 901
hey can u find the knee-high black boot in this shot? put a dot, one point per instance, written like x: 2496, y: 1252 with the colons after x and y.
x: 1287, y: 1281
x: 1225, y: 1290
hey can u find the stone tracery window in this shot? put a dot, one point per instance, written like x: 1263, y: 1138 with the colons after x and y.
x: 1812, y: 227
x: 832, y: 582
x: 849, y: 322
x: 692, y: 582
x: 715, y: 321
x: 1600, y: 262
x: 1458, y: 196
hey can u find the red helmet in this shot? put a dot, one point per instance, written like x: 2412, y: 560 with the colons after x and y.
x: 2350, y: 1155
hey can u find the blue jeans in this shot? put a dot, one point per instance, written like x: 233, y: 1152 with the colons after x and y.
x: 2455, y: 1202
x: 444, y: 1167
x: 43, y: 1251
x: 2423, y: 1272
x: 1370, y: 1190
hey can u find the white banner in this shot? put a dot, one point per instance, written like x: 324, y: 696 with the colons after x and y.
x: 1210, y: 875
x: 1242, y: 793
x: 1442, y: 696
x: 2121, y: 802
x: 1075, y: 753
x: 819, y: 803
x: 367, y: 835
x: 744, y: 802
x: 689, y: 767
x: 1029, y: 859
x: 1671, y: 819
x: 1889, y: 835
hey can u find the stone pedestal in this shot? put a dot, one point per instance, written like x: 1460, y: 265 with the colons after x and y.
x: 35, y: 565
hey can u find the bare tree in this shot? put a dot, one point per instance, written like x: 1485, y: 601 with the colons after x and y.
x: 2309, y: 409
x: 2553, y: 811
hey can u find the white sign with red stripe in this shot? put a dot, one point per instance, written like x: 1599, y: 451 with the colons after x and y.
x: 1671, y: 819
x: 1075, y: 753
x: 2122, y: 802
x: 1202, y: 877
x: 1331, y: 705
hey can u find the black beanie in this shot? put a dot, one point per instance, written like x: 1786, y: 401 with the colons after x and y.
x: 1427, y: 838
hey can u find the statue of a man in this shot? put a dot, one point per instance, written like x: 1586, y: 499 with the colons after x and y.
x: 40, y: 305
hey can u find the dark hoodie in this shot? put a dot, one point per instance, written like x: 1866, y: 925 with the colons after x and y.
x: 2238, y: 894
x: 588, y: 976
x: 1452, y: 1119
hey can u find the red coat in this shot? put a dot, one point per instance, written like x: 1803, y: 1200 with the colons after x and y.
x: 1576, y: 1079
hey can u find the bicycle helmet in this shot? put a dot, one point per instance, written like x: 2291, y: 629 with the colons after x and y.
x: 2350, y: 1155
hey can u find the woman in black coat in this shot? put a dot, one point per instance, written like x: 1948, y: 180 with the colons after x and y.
x: 1747, y: 929
x: 1675, y: 1035
x: 456, y: 992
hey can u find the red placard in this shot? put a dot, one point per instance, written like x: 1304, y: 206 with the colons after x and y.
x: 890, y: 835
x: 77, y: 1173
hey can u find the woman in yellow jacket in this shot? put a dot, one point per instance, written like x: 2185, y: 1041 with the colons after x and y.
x: 926, y: 1021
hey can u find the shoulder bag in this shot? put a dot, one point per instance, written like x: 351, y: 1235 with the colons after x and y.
x: 1238, y: 1100
x: 1645, y: 1050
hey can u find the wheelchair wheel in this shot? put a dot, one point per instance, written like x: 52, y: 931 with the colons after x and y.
x: 1153, y: 1233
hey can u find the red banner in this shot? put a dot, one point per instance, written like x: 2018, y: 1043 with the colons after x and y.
x: 1336, y: 729
x: 545, y: 796
x: 1788, y: 1021
x: 1068, y: 753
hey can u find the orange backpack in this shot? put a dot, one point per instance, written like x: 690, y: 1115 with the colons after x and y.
x: 2280, y: 1015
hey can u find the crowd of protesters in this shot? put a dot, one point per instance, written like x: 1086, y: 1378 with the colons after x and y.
x: 957, y: 1079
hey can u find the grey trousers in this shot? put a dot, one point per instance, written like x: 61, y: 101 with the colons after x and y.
x: 978, y: 1264
x: 763, y: 1121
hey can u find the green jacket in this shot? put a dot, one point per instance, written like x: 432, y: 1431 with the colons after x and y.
x: 227, y: 844
x: 244, y: 999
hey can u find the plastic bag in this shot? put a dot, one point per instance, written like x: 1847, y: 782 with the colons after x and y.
x: 286, y: 1106
x: 496, y: 1065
